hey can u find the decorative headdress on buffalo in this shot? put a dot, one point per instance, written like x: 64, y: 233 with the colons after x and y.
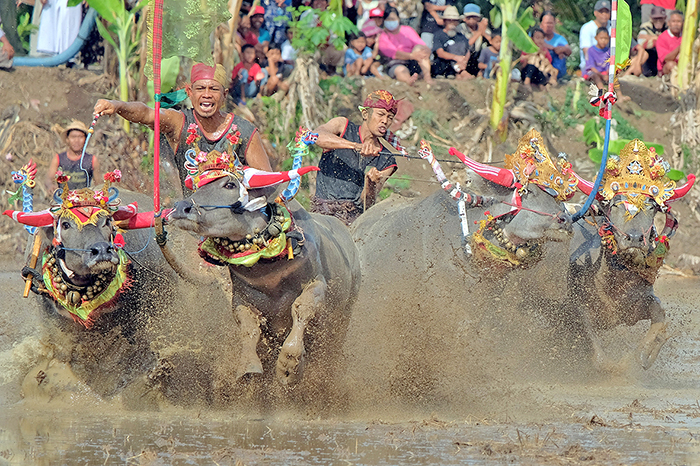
x: 205, y: 167
x: 639, y: 174
x: 84, y: 206
x: 530, y: 163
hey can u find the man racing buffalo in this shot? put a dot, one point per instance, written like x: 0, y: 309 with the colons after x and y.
x: 205, y: 124
x: 342, y: 187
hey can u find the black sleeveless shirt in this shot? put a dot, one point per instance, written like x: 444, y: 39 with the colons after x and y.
x: 236, y: 124
x: 78, y: 178
x: 342, y: 174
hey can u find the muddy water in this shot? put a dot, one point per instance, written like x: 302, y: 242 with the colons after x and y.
x: 577, y: 416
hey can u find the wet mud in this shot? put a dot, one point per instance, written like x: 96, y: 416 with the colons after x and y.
x: 496, y: 384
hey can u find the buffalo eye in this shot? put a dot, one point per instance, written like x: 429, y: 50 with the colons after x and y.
x: 65, y: 225
x: 230, y: 185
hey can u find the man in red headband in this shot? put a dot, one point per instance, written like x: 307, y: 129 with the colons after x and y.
x: 342, y: 187
x: 205, y: 126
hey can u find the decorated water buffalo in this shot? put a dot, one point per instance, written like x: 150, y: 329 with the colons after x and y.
x: 616, y: 253
x: 433, y: 274
x: 295, y: 275
x: 87, y: 281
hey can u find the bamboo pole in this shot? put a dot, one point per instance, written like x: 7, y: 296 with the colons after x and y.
x: 685, y: 57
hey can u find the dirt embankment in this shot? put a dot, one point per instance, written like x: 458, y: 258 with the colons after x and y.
x: 36, y: 102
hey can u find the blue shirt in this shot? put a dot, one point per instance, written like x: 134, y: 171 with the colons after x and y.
x: 558, y: 63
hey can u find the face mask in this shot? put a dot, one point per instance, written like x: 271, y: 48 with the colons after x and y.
x: 391, y: 25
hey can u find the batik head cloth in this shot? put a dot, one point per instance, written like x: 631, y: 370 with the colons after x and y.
x: 382, y: 99
x: 201, y: 71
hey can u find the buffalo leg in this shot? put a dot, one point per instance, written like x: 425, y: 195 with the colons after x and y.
x: 249, y: 321
x: 655, y: 337
x: 291, y: 358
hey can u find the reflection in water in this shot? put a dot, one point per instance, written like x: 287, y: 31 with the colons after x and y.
x: 215, y: 438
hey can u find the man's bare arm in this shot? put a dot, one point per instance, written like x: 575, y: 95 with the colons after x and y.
x: 256, y: 156
x: 137, y: 112
x: 329, y: 135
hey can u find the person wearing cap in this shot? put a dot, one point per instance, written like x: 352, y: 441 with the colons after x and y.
x: 376, y: 16
x: 372, y: 32
x: 669, y: 43
x: 476, y: 29
x: 431, y: 21
x: 557, y: 44
x: 258, y: 32
x: 343, y: 189
x: 80, y: 172
x: 408, y: 56
x: 451, y: 48
x: 648, y: 5
x: 205, y: 122
x: 586, y: 37
x: 645, y: 61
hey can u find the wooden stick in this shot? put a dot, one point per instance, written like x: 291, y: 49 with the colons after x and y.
x: 32, y: 263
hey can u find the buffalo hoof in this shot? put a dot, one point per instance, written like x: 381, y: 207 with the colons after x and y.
x: 652, y: 343
x: 290, y: 363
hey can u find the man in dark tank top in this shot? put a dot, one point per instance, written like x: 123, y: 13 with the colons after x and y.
x: 204, y: 127
x: 80, y: 168
x: 343, y: 189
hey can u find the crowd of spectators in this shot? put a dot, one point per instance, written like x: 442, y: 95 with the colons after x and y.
x: 407, y: 41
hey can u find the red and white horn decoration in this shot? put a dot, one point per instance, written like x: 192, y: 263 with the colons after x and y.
x: 254, y: 178
x: 501, y: 176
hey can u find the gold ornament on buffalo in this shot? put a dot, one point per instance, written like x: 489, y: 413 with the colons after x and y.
x: 531, y: 163
x: 639, y: 170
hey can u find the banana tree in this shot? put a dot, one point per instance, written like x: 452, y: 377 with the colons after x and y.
x: 512, y: 35
x: 121, y: 33
x: 685, y: 55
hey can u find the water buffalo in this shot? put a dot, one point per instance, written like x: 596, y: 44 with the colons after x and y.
x: 617, y: 252
x: 295, y: 275
x: 425, y: 298
x: 87, y: 281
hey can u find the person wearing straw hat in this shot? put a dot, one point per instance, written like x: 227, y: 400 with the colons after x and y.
x: 451, y: 48
x: 80, y: 172
x: 205, y: 125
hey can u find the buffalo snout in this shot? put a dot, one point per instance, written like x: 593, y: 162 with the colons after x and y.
x: 184, y: 209
x: 101, y: 252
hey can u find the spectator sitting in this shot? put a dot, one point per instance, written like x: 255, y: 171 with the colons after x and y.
x: 476, y: 30
x: 243, y: 34
x: 589, y: 31
x: 289, y: 53
x: 7, y: 52
x: 647, y: 5
x: 431, y: 21
x: 407, y: 53
x: 451, y: 48
x: 276, y: 19
x: 644, y: 63
x: 363, y: 9
x: 371, y: 33
x: 261, y: 35
x: 358, y: 56
x: 489, y: 56
x: 277, y: 71
x: 247, y: 78
x: 556, y: 44
x: 538, y: 66
x: 598, y: 62
x: 669, y: 43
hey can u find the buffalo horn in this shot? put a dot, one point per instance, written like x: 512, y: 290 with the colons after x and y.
x: 681, y: 191
x: 501, y: 176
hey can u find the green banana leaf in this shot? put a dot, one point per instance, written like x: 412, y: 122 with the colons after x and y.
x: 624, y: 32
x: 520, y: 39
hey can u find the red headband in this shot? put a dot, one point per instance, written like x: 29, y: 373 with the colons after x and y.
x: 382, y: 99
x: 201, y: 71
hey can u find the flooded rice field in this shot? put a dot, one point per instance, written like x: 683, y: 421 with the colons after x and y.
x: 522, y: 415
